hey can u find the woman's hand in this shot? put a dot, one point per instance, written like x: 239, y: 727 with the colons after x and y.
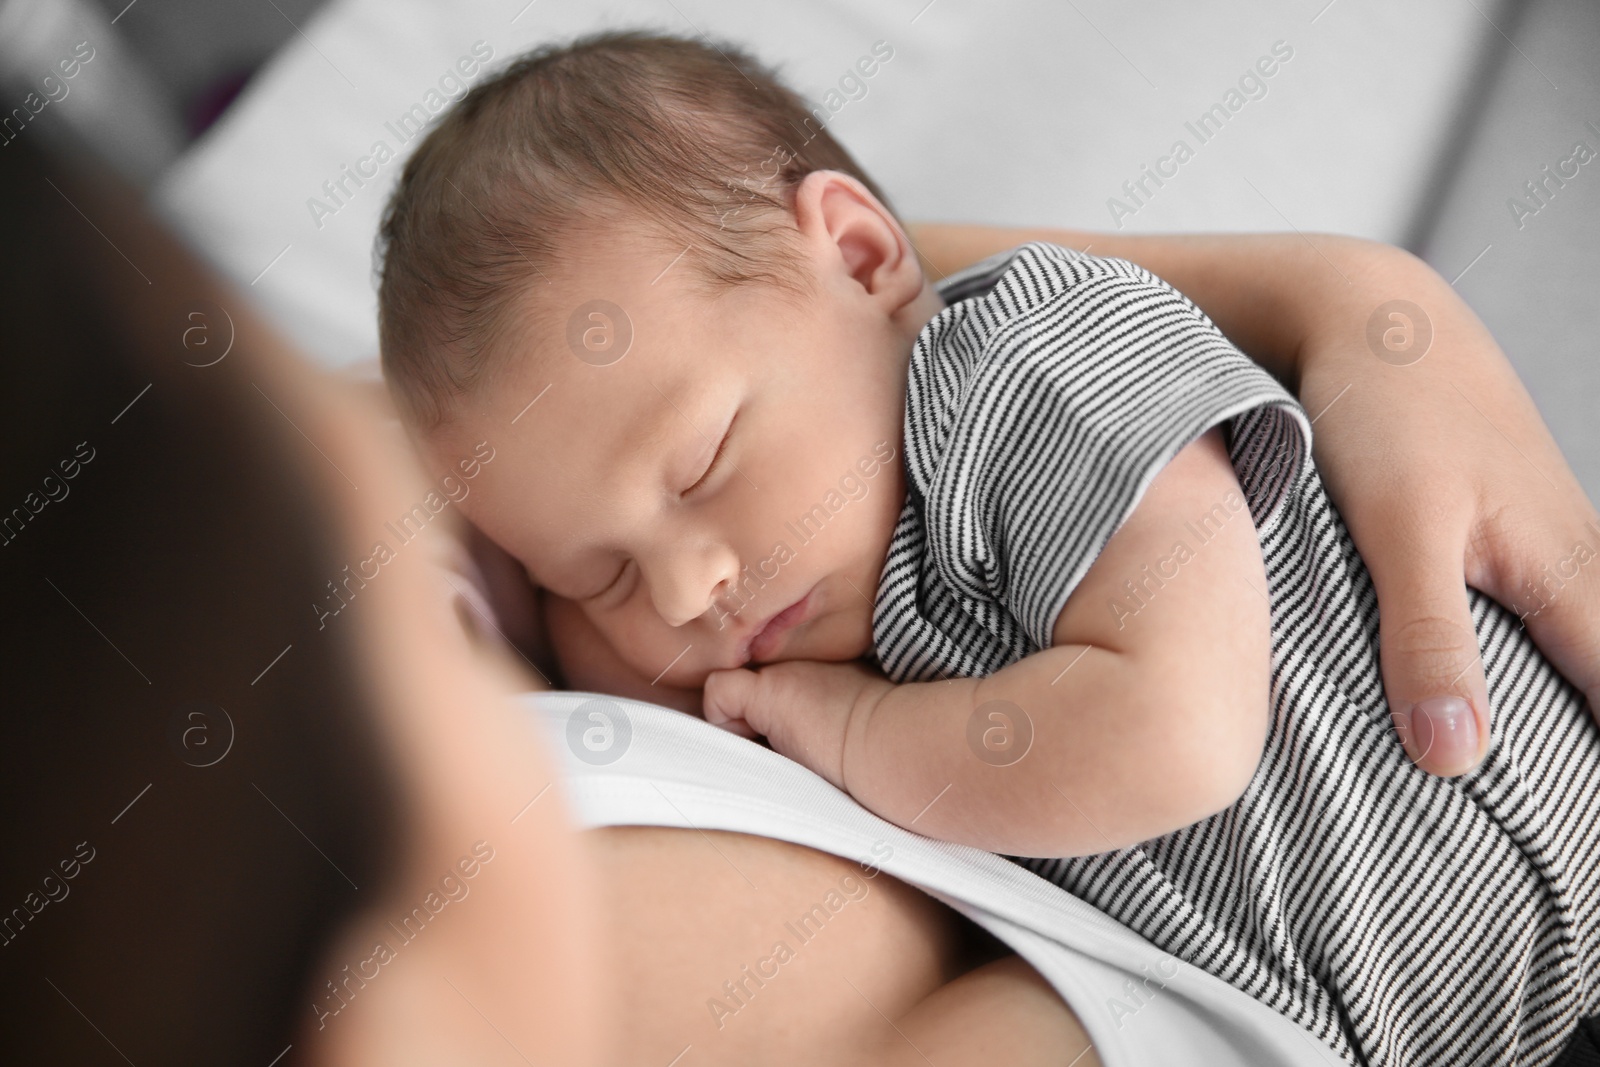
x: 1434, y: 454
x: 1442, y: 468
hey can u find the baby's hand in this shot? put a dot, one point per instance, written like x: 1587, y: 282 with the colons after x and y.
x: 803, y: 708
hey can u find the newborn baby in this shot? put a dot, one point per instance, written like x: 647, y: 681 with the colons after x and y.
x: 1126, y: 634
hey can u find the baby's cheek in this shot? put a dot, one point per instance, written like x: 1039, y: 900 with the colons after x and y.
x: 648, y: 645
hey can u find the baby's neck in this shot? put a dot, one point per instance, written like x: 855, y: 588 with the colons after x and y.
x: 914, y: 315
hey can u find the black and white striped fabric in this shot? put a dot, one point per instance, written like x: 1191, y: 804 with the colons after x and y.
x: 1400, y: 918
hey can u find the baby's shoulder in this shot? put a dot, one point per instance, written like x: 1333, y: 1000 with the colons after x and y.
x: 1047, y: 336
x: 1040, y: 409
x: 1045, y: 312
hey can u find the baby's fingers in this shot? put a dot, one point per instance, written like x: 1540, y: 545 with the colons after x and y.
x: 801, y: 708
x: 727, y: 694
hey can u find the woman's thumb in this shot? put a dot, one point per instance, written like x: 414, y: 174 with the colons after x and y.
x: 1432, y: 666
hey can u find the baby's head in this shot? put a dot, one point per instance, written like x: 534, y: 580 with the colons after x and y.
x: 681, y: 316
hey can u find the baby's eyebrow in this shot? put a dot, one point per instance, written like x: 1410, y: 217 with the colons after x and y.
x: 620, y: 450
x: 670, y: 429
x: 695, y: 426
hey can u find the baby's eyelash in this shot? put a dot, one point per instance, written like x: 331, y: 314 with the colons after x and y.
x: 612, y: 584
x: 716, y: 458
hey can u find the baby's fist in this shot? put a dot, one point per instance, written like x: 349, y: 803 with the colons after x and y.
x: 725, y: 697
x: 801, y: 707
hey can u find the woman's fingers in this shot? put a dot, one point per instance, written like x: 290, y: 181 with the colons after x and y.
x: 1448, y: 478
x: 1428, y: 648
x: 1548, y: 571
x: 1539, y: 556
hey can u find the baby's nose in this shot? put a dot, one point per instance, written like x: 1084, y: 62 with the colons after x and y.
x: 688, y: 583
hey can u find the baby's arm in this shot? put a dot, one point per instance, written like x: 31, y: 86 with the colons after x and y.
x: 1146, y: 717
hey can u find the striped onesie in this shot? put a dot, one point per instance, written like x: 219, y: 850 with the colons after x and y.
x: 1399, y: 917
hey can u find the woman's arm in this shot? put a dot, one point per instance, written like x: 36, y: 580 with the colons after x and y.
x: 703, y: 959
x: 1433, y: 452
x: 1253, y: 286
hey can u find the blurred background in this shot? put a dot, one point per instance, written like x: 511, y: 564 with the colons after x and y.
x: 1465, y: 130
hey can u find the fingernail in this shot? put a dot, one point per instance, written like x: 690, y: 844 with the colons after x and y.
x: 1445, y: 732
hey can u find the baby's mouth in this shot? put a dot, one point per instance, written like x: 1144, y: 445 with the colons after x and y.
x: 767, y: 637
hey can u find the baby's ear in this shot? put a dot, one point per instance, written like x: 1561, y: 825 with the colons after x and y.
x: 855, y: 234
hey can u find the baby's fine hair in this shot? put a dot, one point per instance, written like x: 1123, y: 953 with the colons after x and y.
x: 694, y: 145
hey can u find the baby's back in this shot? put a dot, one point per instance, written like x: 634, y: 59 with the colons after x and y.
x: 1404, y: 918
x: 1400, y: 917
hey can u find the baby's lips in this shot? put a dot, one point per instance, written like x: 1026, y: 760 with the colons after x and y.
x: 776, y: 625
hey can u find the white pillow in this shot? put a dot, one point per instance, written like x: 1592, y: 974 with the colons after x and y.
x: 1003, y: 112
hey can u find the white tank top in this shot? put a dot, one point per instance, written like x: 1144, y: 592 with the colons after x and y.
x: 626, y: 763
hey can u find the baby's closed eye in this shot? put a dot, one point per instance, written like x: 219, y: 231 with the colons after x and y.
x: 715, y: 460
